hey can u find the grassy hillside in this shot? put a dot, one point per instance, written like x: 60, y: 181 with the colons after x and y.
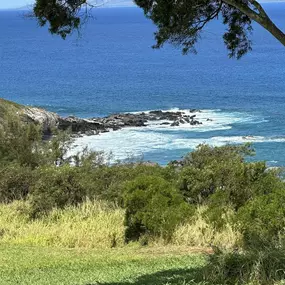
x: 9, y: 108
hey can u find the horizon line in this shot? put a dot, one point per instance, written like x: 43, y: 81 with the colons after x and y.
x: 108, y: 6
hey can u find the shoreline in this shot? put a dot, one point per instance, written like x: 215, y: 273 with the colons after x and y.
x: 115, y: 122
x: 145, y: 131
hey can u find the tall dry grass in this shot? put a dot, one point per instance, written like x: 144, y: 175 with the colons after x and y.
x: 198, y: 232
x: 98, y: 224
x: 93, y: 224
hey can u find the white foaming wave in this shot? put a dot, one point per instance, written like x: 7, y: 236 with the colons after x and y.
x: 123, y: 143
x: 127, y: 143
x: 187, y: 127
x: 134, y: 142
x: 220, y: 141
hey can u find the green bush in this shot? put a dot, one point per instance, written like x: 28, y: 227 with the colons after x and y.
x: 15, y: 182
x: 19, y: 142
x: 262, y: 220
x: 153, y: 207
x: 211, y: 172
x: 107, y: 182
x: 23, y: 143
x: 56, y: 187
x: 221, y: 179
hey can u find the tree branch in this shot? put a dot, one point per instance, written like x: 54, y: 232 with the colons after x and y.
x: 259, y: 8
x: 200, y: 24
x: 261, y: 18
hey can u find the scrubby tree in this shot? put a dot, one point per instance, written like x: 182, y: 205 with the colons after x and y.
x: 179, y: 22
x: 153, y: 207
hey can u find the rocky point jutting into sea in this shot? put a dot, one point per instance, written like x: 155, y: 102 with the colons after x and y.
x: 94, y: 126
x: 116, y: 122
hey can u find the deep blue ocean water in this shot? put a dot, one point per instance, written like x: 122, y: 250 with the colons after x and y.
x: 112, y: 68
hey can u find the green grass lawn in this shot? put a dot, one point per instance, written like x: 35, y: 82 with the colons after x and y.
x: 39, y: 266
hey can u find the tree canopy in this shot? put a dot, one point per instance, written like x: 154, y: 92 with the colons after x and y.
x: 179, y: 22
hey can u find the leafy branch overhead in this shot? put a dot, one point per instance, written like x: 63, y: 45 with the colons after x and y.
x: 179, y: 22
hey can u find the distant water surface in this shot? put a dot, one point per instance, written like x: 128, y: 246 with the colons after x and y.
x: 111, y: 68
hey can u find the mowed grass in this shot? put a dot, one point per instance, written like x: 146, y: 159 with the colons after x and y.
x: 129, y: 265
x: 84, y: 245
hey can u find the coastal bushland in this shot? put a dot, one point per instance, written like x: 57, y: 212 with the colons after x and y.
x: 215, y: 197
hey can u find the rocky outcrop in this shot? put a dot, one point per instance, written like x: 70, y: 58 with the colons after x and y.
x: 118, y: 121
x: 48, y: 120
x: 9, y: 109
x: 79, y: 126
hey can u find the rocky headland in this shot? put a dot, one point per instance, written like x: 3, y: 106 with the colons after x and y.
x: 123, y: 120
x: 93, y: 126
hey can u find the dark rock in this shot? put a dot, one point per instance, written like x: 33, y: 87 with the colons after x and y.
x: 116, y: 128
x: 194, y: 123
x: 90, y: 133
x: 175, y: 124
x: 195, y: 111
x: 119, y: 121
x: 156, y: 112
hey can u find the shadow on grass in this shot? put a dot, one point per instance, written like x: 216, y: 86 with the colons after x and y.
x: 261, y: 267
x: 167, y: 277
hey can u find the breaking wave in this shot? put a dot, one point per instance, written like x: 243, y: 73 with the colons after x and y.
x: 135, y: 142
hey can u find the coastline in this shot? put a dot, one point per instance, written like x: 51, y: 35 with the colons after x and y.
x: 157, y: 135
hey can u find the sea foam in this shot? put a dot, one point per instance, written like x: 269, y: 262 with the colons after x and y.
x: 135, y: 142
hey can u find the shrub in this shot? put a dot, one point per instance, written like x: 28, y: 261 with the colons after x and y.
x: 23, y: 143
x: 56, y: 187
x: 205, y: 155
x: 19, y: 142
x: 262, y: 220
x: 221, y: 179
x: 15, y: 182
x: 154, y: 207
x: 107, y: 182
x: 220, y: 173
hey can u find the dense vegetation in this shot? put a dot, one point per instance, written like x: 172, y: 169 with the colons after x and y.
x: 47, y: 200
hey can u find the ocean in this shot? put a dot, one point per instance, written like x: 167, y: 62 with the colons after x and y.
x: 110, y: 67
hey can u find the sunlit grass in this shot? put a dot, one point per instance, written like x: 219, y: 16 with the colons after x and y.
x: 199, y: 232
x: 84, y: 245
x: 52, y: 266
x: 90, y: 225
x: 97, y: 224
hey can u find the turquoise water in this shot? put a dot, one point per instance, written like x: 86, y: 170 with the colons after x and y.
x: 112, y: 68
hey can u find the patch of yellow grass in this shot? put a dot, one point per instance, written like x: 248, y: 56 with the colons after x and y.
x: 98, y: 224
x: 200, y: 233
x: 92, y: 225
